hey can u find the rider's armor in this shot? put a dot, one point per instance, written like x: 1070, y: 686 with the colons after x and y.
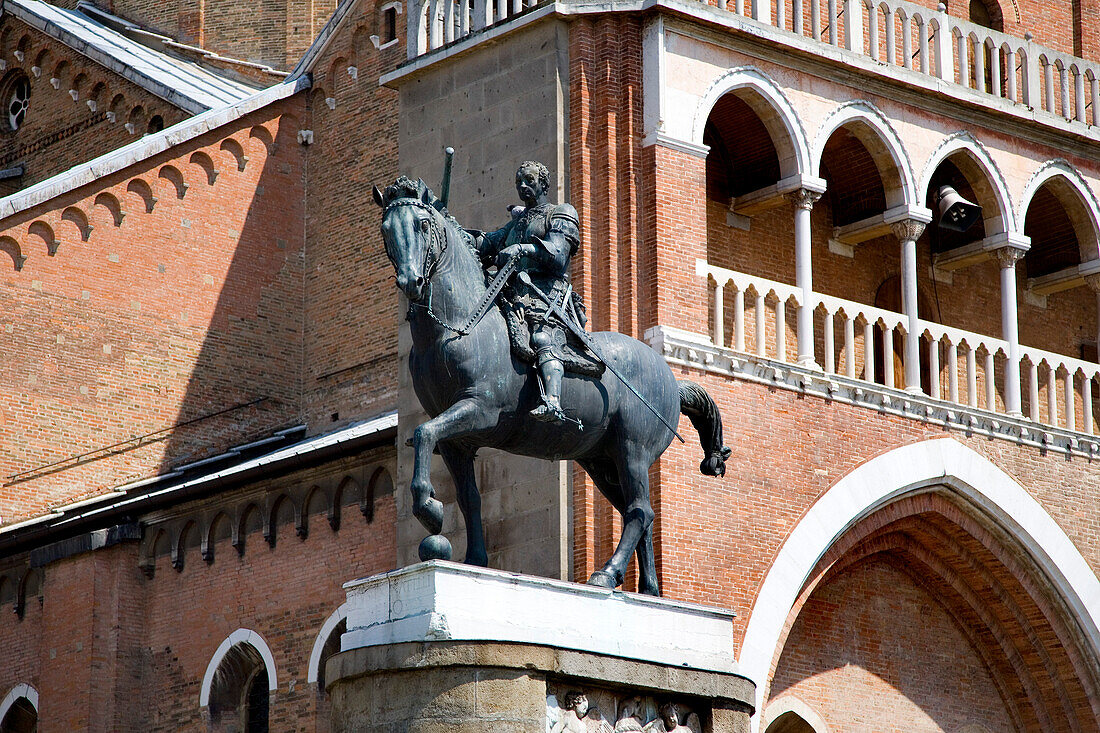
x: 555, y: 232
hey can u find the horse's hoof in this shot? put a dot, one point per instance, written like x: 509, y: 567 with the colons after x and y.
x: 430, y: 514
x: 603, y: 579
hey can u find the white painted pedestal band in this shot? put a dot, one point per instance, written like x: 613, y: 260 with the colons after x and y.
x: 444, y: 601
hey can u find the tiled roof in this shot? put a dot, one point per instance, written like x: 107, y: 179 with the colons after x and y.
x: 150, y: 64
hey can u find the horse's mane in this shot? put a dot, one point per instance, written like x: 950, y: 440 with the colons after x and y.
x: 406, y: 188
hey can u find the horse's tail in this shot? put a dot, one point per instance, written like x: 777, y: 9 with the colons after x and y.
x: 704, y: 415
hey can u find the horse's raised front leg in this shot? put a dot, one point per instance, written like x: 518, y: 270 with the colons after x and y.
x: 461, y: 464
x: 637, y: 523
x: 464, y: 416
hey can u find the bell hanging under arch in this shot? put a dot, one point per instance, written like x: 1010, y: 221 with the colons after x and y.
x: 956, y: 213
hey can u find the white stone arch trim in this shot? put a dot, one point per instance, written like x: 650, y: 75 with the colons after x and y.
x: 965, y: 141
x: 860, y: 110
x: 1055, y: 168
x: 313, y: 671
x: 749, y: 77
x: 20, y: 690
x: 240, y: 636
x: 792, y: 704
x: 885, y: 479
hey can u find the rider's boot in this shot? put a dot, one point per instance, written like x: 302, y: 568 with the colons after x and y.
x: 550, y: 375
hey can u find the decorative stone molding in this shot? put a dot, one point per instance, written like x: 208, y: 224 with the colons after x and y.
x: 804, y: 198
x: 570, y: 709
x: 1009, y: 256
x: 908, y: 230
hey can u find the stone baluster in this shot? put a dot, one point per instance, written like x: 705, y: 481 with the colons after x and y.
x: 908, y: 231
x: 1008, y: 257
x: 804, y: 200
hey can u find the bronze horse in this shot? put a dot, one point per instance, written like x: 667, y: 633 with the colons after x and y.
x: 480, y: 395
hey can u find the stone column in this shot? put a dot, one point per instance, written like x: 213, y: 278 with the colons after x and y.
x: 908, y: 231
x: 1093, y: 281
x: 804, y: 200
x: 1010, y: 332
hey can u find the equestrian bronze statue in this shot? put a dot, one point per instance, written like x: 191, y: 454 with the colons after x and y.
x: 500, y: 359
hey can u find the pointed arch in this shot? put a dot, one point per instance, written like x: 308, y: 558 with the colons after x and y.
x: 783, y: 712
x: 21, y: 691
x: 240, y: 637
x: 963, y: 142
x: 873, y: 129
x: 886, y: 479
x: 313, y: 670
x: 1061, y: 170
x: 773, y: 107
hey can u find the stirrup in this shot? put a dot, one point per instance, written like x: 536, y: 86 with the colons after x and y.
x: 549, y: 412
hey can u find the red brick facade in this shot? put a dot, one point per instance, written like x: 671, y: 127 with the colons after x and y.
x: 234, y: 285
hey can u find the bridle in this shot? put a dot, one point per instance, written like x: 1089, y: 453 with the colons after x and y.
x: 431, y: 259
x: 431, y: 262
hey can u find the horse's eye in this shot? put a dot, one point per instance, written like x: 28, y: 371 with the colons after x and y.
x: 423, y: 225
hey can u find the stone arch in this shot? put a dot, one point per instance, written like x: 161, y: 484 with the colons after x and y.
x: 110, y: 202
x: 190, y: 535
x: 234, y: 148
x: 172, y: 175
x: 1073, y: 189
x: 789, y: 714
x: 897, y: 475
x: 141, y: 188
x: 116, y: 108
x: 316, y: 501
x: 871, y: 127
x: 264, y: 136
x: 322, y: 645
x: 381, y: 481
x: 774, y: 109
x: 135, y: 120
x: 95, y: 96
x: 251, y: 520
x: 985, y: 177
x: 59, y: 74
x: 206, y: 163
x: 9, y: 245
x: 79, y: 219
x: 219, y: 528
x: 44, y: 231
x: 42, y: 61
x: 30, y: 585
x: 283, y: 510
x: 19, y: 709
x: 78, y: 85
x: 155, y: 546
x: 232, y: 667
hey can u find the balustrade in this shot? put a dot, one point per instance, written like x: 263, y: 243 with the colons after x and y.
x: 893, y: 32
x: 855, y: 341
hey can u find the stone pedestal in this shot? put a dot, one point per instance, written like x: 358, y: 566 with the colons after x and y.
x: 445, y: 647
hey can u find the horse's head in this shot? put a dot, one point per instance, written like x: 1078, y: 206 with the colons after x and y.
x: 414, y: 232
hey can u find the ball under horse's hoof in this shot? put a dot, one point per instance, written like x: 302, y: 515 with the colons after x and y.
x: 435, y: 547
x: 430, y: 514
x: 603, y: 579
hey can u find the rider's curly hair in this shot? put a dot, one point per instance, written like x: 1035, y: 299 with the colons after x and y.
x: 544, y: 172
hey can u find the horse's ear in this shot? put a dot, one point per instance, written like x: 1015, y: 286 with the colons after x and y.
x: 425, y: 193
x: 378, y: 197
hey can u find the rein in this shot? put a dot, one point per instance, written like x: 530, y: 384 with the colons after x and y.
x: 431, y: 262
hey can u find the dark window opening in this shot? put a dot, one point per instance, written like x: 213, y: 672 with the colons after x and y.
x: 156, y: 124
x: 389, y: 24
x: 20, y: 718
x: 257, y: 703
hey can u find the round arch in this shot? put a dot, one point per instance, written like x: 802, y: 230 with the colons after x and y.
x: 14, y: 694
x: 885, y: 479
x: 872, y: 128
x: 965, y: 143
x: 240, y: 636
x: 1063, y: 171
x: 313, y: 670
x: 791, y: 705
x: 778, y: 116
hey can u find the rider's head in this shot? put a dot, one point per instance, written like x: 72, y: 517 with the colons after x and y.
x: 532, y: 182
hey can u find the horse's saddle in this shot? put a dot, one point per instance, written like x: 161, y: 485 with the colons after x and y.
x: 575, y: 356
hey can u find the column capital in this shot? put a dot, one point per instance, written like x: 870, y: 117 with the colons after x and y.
x: 1009, y: 256
x: 908, y: 229
x: 804, y: 198
x: 1093, y: 281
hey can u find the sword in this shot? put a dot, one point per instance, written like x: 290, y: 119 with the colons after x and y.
x: 581, y: 334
